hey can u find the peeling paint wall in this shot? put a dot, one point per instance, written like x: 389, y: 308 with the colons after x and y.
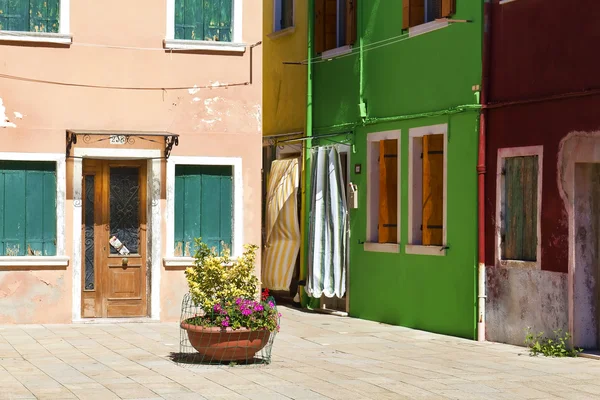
x: 518, y: 298
x: 35, y: 297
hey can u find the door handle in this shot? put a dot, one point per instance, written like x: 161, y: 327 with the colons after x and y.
x: 124, y: 262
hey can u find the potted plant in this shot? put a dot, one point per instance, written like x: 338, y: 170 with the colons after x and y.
x: 232, y: 323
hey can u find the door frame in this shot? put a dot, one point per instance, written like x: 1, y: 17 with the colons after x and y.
x: 576, y: 147
x: 153, y: 214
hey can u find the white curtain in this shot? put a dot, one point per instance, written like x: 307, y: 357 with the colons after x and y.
x: 328, y: 230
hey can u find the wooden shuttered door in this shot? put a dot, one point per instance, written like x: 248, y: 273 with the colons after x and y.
x: 388, y: 191
x: 27, y: 208
x: 326, y: 24
x: 519, y: 239
x: 413, y: 11
x: 203, y: 207
x: 433, y: 190
x: 203, y: 20
x: 30, y: 15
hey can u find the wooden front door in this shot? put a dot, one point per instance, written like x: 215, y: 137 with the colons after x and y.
x: 114, y: 250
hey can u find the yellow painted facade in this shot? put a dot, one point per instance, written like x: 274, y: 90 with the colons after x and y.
x: 284, y: 86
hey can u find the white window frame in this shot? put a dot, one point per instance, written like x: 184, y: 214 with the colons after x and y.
x: 371, y: 244
x: 277, y: 17
x: 503, y: 154
x: 62, y: 37
x: 415, y: 208
x: 237, y: 247
x: 341, y: 49
x: 236, y: 45
x: 60, y: 260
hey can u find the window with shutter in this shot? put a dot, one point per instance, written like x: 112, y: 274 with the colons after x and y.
x: 203, y: 207
x: 433, y: 190
x: 417, y: 12
x: 520, y: 197
x: 335, y: 24
x: 204, y: 20
x: 383, y: 216
x: 426, y: 190
x: 27, y: 208
x: 388, y: 191
x: 30, y: 15
x: 284, y: 14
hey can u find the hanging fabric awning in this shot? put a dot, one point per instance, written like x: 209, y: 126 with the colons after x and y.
x: 282, y: 227
x: 328, y: 226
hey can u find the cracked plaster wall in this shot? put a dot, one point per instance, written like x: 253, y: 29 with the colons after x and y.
x: 518, y: 298
x: 35, y: 297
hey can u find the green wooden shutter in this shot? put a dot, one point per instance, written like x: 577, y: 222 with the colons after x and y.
x: 43, y: 15
x: 519, y: 238
x: 203, y: 207
x: 27, y: 208
x: 30, y: 15
x: 203, y: 20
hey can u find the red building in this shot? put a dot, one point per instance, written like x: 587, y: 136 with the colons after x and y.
x: 542, y: 190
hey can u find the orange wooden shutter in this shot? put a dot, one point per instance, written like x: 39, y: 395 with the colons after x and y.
x: 433, y: 190
x: 319, y: 36
x: 448, y: 7
x: 405, y: 14
x: 351, y: 21
x: 331, y: 17
x: 388, y: 191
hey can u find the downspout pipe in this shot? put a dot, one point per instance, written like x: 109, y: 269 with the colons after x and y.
x: 481, y: 171
x: 304, y: 299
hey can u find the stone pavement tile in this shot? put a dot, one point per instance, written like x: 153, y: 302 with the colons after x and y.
x: 96, y: 394
x: 474, y: 388
x: 590, y: 388
x: 130, y: 390
x: 58, y: 393
x: 297, y: 392
x: 337, y: 393
x: 458, y: 394
x: 167, y: 388
x: 256, y: 392
x: 150, y: 377
x: 182, y: 396
x: 575, y: 395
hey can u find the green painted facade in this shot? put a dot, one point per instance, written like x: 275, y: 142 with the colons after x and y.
x: 408, y: 82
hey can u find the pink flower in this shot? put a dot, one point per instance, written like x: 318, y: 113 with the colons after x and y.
x: 246, y: 312
x: 271, y: 304
x: 225, y: 322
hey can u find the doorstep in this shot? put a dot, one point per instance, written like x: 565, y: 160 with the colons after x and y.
x: 139, y: 320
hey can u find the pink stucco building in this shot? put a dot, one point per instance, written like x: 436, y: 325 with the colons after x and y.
x: 136, y: 121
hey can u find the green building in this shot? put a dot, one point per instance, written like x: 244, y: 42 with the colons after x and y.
x: 393, y: 85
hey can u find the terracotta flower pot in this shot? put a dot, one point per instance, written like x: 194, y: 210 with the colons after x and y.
x: 226, y: 344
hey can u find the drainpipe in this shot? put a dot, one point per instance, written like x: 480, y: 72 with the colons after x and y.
x: 361, y: 71
x: 481, y: 171
x: 304, y: 299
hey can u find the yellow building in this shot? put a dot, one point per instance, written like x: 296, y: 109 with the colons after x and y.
x: 285, y: 28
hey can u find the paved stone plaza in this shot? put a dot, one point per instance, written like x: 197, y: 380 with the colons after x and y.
x: 315, y: 357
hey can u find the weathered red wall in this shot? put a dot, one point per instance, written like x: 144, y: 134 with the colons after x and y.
x: 541, y: 48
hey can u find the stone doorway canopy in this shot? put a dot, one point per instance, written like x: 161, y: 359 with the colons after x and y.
x: 121, y: 138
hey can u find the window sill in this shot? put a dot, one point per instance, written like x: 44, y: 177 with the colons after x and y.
x: 339, y: 51
x: 427, y: 27
x: 282, y: 32
x: 506, y: 1
x: 178, y: 262
x: 518, y: 264
x: 201, y: 45
x: 36, y: 37
x: 382, y: 247
x: 34, y: 261
x: 425, y: 250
